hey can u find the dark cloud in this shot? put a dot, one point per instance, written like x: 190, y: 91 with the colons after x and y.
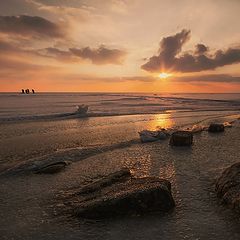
x: 30, y: 26
x: 101, y: 55
x: 170, y: 56
x: 169, y: 48
x: 201, y: 49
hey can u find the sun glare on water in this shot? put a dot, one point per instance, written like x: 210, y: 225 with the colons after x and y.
x: 164, y: 75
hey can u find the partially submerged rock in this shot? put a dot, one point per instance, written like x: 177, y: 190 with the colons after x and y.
x: 152, y: 136
x: 181, y: 138
x: 197, y: 128
x: 119, y: 194
x: 228, y: 186
x: 216, y: 127
x: 82, y: 109
x: 51, y: 168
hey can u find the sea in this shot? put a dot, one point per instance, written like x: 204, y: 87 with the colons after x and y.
x: 19, y: 107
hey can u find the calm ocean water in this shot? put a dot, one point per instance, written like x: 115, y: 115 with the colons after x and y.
x: 15, y: 106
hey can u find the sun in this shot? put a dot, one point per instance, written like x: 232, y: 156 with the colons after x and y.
x: 164, y: 75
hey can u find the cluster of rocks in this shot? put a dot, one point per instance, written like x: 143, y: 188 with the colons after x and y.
x: 177, y: 138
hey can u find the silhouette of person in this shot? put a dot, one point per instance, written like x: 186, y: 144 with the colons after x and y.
x: 33, y: 91
x: 23, y: 91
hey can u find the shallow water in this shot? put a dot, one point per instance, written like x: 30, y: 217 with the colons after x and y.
x: 97, y: 146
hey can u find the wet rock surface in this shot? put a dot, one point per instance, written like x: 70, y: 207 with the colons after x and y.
x: 181, y: 138
x: 228, y: 186
x: 216, y: 127
x: 51, y: 168
x: 119, y: 194
x: 152, y: 136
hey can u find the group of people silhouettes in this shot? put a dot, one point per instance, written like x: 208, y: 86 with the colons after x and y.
x: 27, y: 91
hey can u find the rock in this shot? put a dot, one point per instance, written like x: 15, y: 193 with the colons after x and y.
x: 125, y: 196
x: 106, y: 181
x: 152, y: 136
x: 227, y: 124
x: 228, y: 186
x: 181, y: 138
x: 51, y: 168
x: 216, y: 127
x: 82, y: 109
x: 196, y: 128
x: 162, y: 135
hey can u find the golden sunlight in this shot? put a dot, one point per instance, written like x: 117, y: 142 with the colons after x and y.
x: 164, y: 75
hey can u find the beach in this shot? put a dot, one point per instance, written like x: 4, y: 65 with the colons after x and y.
x: 97, y: 146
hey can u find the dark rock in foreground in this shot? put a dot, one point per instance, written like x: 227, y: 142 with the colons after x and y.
x: 228, y: 186
x: 119, y: 194
x: 181, y: 138
x: 216, y: 127
x: 52, y: 168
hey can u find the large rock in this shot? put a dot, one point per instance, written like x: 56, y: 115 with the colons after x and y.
x: 228, y: 186
x: 216, y: 127
x: 119, y: 194
x: 181, y: 138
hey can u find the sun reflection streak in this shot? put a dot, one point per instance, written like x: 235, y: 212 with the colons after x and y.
x: 161, y: 121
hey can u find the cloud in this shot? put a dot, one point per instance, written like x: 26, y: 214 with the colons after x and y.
x: 30, y: 26
x: 98, y: 56
x: 101, y: 55
x: 219, y: 78
x: 201, y: 49
x: 170, y: 57
x: 68, y: 10
x: 60, y: 55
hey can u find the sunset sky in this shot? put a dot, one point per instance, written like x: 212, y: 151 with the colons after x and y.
x: 120, y: 45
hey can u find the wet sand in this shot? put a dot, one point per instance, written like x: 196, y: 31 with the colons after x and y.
x: 28, y: 201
